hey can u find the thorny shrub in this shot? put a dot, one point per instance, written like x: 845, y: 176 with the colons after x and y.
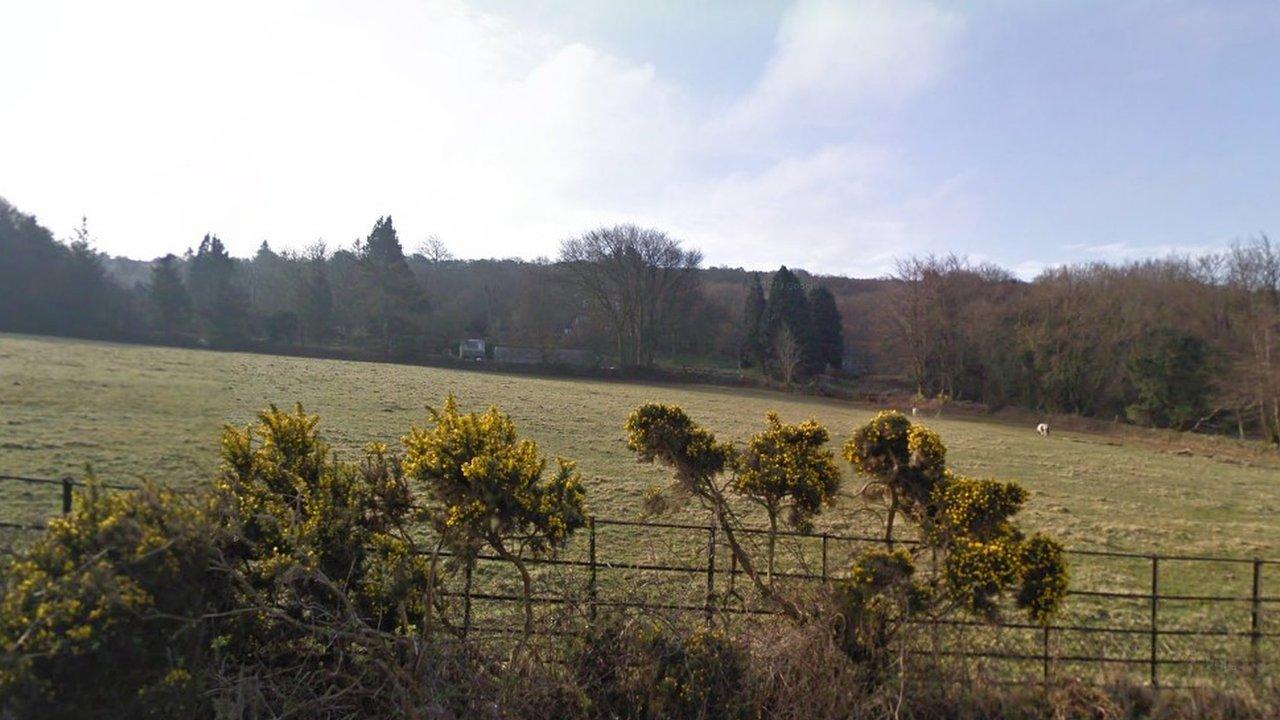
x: 98, y: 612
x: 292, y: 586
x: 977, y: 556
x: 484, y: 486
x: 640, y: 668
x: 786, y: 468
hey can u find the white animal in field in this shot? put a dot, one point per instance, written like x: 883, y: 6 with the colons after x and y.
x: 1043, y: 429
x: 915, y: 411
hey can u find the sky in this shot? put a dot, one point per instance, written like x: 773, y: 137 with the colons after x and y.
x: 830, y: 135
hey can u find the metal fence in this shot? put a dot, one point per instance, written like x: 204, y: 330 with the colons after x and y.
x: 1128, y: 616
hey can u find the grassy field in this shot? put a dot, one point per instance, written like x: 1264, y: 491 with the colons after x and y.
x: 133, y: 412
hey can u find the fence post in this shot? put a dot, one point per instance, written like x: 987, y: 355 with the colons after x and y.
x: 591, y: 551
x: 67, y: 484
x: 466, y: 601
x: 1046, y: 655
x: 1255, y: 622
x: 1155, y: 627
x: 733, y: 573
x: 935, y: 635
x: 824, y: 558
x: 711, y: 571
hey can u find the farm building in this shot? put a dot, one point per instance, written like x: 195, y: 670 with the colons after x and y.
x: 471, y: 349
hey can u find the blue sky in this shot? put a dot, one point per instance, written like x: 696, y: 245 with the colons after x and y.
x: 829, y: 135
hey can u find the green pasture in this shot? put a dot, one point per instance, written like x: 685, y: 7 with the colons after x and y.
x: 133, y: 412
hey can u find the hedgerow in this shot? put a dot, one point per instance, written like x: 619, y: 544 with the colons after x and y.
x: 301, y: 585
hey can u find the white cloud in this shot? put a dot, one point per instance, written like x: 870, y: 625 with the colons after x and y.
x: 1028, y: 269
x: 1120, y: 252
x: 818, y: 207
x: 296, y: 120
x: 801, y: 189
x: 841, y: 209
x: 1114, y: 253
x: 291, y: 121
x: 834, y: 59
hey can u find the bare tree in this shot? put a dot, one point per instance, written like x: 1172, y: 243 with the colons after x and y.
x: 1253, y: 277
x: 636, y: 278
x: 787, y: 354
x: 434, y: 250
x: 910, y: 318
x: 543, y: 309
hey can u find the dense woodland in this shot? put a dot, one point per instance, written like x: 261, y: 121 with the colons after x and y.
x: 1190, y: 343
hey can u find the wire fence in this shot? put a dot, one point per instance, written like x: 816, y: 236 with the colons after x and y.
x: 1168, y: 620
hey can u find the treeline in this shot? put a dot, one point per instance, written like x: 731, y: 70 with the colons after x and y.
x: 1185, y: 343
x: 635, y: 296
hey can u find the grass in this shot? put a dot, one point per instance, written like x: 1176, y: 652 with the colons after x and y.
x: 143, y: 412
x: 134, y: 412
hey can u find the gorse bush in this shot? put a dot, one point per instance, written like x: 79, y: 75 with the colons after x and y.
x: 300, y: 584
x: 1044, y: 578
x: 485, y: 486
x: 881, y: 589
x: 782, y: 468
x: 294, y: 585
x: 786, y: 468
x: 328, y: 581
x: 100, y: 612
x: 290, y: 506
x: 634, y: 667
x: 901, y: 460
x: 974, y: 509
x: 665, y: 433
x: 986, y: 554
x: 977, y: 556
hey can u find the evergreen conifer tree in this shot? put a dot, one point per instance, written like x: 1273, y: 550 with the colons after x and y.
x: 828, y: 328
x: 167, y: 295
x: 789, y: 307
x: 752, y: 351
x: 393, y: 300
x: 217, y: 302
